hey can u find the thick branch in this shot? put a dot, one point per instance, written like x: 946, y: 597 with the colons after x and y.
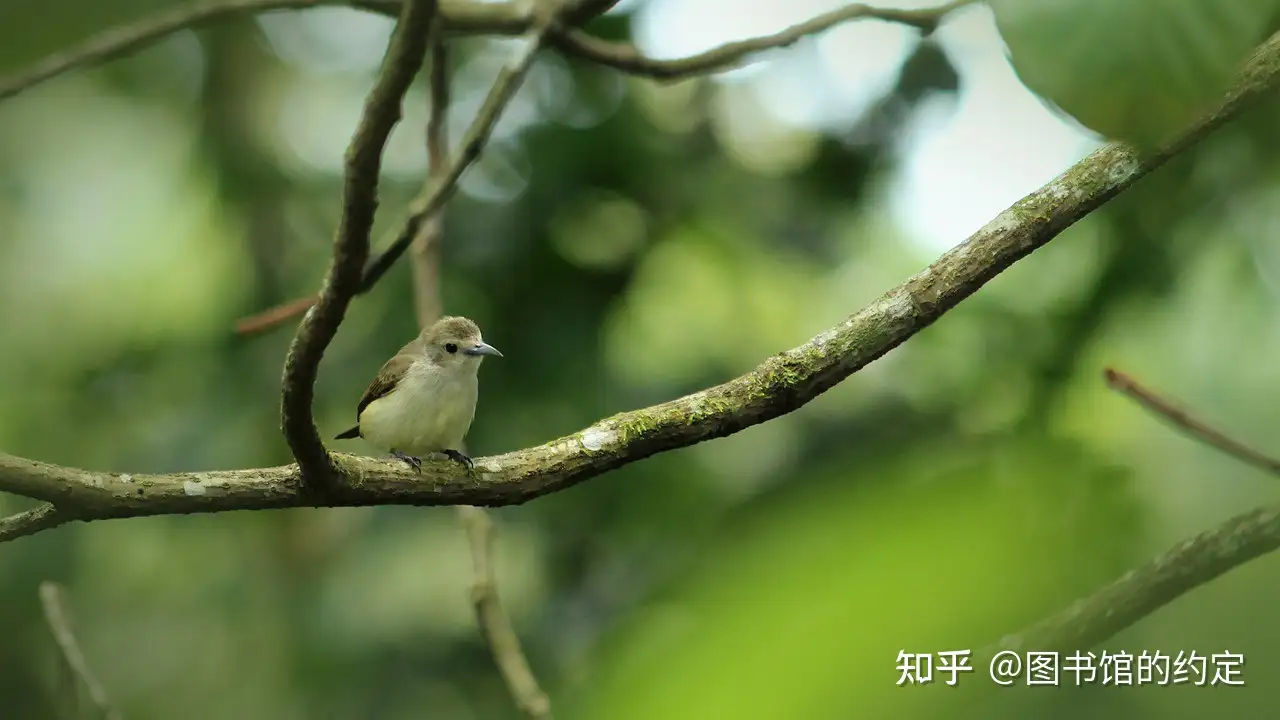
x: 56, y: 614
x: 626, y: 57
x: 1184, y: 421
x: 777, y: 386
x: 351, y: 246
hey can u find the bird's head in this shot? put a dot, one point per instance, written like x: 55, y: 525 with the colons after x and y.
x: 455, y: 343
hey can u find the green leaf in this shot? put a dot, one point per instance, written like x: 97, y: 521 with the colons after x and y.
x: 1137, y: 71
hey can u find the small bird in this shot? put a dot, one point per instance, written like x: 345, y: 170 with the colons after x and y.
x: 423, y: 400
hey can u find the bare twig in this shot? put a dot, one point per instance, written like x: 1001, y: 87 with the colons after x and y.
x: 626, y: 57
x: 493, y: 621
x: 426, y: 247
x: 779, y: 385
x: 446, y: 184
x: 124, y: 39
x: 1188, y: 565
x: 274, y: 317
x: 1188, y: 424
x: 460, y: 16
x: 56, y: 614
x: 351, y: 245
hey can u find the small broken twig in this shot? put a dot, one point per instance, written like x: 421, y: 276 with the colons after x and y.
x: 1188, y: 424
x: 56, y: 614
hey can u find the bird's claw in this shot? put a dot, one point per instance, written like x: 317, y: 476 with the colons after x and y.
x: 412, y: 461
x: 456, y: 456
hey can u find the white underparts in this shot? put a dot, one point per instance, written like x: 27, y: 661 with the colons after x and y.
x: 429, y: 410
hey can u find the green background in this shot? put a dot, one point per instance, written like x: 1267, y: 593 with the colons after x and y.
x: 621, y: 246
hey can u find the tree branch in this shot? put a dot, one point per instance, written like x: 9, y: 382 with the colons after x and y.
x: 779, y: 385
x: 1145, y: 590
x: 495, y: 626
x: 626, y: 57
x: 1184, y: 421
x: 460, y: 16
x: 1190, y: 564
x: 31, y: 522
x: 446, y: 184
x: 53, y: 599
x: 493, y: 621
x: 583, y: 11
x: 426, y: 247
x: 351, y: 246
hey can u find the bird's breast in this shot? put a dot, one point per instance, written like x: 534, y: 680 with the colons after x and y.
x: 427, y: 412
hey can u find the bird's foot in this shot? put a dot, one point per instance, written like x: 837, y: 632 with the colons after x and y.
x: 412, y: 461
x: 463, y: 458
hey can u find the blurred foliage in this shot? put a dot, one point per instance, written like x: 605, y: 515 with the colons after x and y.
x: 623, y: 242
x: 1138, y: 71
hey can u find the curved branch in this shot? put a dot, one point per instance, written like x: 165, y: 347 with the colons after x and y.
x: 404, y: 58
x: 626, y: 57
x: 777, y: 386
x: 460, y: 17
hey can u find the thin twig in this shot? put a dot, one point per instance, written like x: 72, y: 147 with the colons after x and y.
x: 274, y: 317
x: 626, y: 57
x: 56, y: 614
x: 1184, y: 421
x: 1190, y: 564
x: 382, y: 111
x: 124, y: 39
x: 460, y: 16
x: 30, y: 522
x: 493, y: 621
x: 426, y: 247
x: 446, y: 184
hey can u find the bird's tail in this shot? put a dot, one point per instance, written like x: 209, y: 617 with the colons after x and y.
x: 354, y: 432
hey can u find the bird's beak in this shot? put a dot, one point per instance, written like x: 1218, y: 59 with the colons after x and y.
x: 482, y: 349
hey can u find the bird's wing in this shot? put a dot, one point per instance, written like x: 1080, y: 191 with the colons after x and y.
x: 387, y: 378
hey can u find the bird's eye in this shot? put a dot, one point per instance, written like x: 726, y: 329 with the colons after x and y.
x: 450, y: 347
